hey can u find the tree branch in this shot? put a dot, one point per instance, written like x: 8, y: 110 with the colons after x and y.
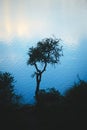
x: 37, y: 68
x: 39, y: 71
x: 44, y: 69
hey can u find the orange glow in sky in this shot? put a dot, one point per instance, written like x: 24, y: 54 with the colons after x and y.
x: 66, y: 19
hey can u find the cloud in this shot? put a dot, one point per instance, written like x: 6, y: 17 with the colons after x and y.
x: 41, y: 18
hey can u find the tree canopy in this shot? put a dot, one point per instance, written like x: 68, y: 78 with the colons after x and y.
x: 47, y: 51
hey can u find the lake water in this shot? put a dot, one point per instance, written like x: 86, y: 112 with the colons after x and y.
x: 13, y: 58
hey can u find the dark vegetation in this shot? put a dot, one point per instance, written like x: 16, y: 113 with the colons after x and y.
x: 52, y: 111
x: 8, y: 97
x: 47, y: 51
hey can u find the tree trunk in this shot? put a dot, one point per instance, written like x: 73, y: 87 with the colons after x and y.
x: 38, y: 80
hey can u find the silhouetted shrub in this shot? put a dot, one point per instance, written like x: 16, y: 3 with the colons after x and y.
x: 48, y: 97
x: 7, y: 94
x: 77, y: 95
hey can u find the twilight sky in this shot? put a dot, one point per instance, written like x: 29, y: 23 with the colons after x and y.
x: 24, y: 22
x: 30, y: 19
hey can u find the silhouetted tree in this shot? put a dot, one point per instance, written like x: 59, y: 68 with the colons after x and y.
x: 7, y: 94
x: 47, y: 51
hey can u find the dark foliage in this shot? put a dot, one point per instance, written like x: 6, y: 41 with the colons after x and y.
x: 7, y: 93
x: 47, y: 51
x: 48, y: 97
x: 77, y: 95
x: 52, y: 111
